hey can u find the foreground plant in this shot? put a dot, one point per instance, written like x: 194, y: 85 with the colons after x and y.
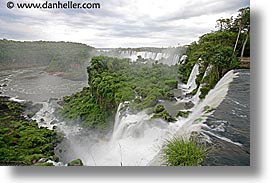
x: 180, y: 152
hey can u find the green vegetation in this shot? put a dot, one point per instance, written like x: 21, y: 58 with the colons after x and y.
x: 217, y: 52
x: 208, y: 109
x: 82, y: 107
x: 112, y: 81
x: 184, y: 114
x: 180, y: 152
x: 160, y: 112
x: 76, y: 162
x: 21, y: 140
x: 159, y: 108
x: 67, y: 57
x: 44, y: 164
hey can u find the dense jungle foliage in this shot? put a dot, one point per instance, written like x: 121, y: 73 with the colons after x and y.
x: 22, y: 142
x: 112, y: 81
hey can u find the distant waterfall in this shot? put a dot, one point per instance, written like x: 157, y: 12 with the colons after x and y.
x: 161, y: 57
x: 133, y: 55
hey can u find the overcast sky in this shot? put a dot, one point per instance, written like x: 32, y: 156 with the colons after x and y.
x: 119, y: 23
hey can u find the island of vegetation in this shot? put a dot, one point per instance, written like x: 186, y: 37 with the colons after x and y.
x: 112, y: 81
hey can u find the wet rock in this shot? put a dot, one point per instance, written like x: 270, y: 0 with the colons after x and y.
x: 54, y: 122
x: 54, y: 158
x: 60, y: 102
x: 31, y: 109
x: 29, y: 115
x: 189, y: 105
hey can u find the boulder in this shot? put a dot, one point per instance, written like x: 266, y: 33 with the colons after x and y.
x: 53, y: 122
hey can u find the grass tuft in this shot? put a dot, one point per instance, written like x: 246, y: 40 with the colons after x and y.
x: 180, y: 152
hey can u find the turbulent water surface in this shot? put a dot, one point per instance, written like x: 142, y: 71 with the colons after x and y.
x: 136, y: 138
x: 231, y: 120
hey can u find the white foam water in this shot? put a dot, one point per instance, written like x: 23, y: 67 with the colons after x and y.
x: 45, y: 118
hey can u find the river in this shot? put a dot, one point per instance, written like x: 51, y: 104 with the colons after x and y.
x: 35, y: 85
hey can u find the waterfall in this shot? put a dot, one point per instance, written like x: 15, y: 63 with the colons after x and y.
x: 135, y: 141
x: 212, y: 99
x: 117, y: 117
x: 183, y: 59
x: 191, y: 83
x: 195, y: 99
x: 162, y: 57
x: 194, y: 123
x: 117, y: 121
x: 175, y: 60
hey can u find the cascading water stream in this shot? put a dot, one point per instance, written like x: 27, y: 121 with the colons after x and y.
x: 136, y: 139
x: 117, y: 117
x: 213, y: 99
x: 191, y: 83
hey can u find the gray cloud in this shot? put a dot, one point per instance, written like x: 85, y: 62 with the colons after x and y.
x: 206, y: 8
x: 119, y: 23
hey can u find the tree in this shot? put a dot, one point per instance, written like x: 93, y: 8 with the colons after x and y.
x: 243, y: 23
x: 225, y: 24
